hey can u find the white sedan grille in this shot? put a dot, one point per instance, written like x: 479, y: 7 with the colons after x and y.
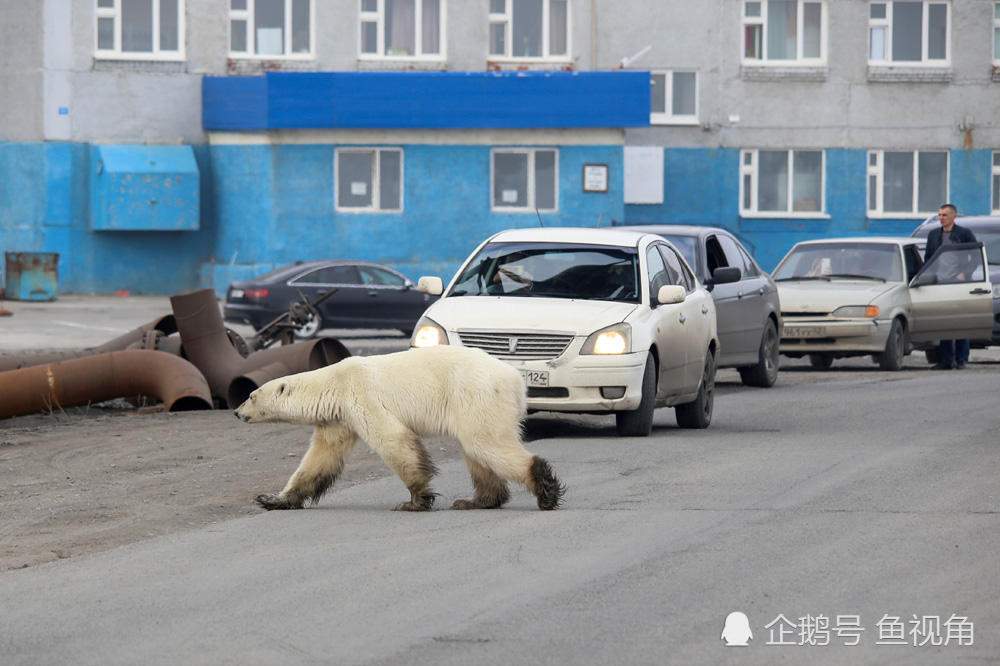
x: 522, y: 346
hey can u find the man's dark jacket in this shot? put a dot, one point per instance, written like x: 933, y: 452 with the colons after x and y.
x: 958, y: 235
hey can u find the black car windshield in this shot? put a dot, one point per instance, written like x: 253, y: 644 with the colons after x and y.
x: 686, y: 244
x: 552, y: 270
x: 846, y: 261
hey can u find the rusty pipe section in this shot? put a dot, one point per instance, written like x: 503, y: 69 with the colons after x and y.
x: 166, y: 325
x: 206, y: 344
x: 172, y: 380
x: 267, y: 364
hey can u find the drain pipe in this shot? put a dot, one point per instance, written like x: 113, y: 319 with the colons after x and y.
x: 121, y: 374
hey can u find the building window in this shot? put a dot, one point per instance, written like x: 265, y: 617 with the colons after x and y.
x: 402, y: 28
x: 525, y: 180
x: 996, y: 33
x: 996, y: 183
x: 786, y: 182
x: 674, y: 98
x: 271, y: 28
x: 915, y: 32
x: 906, y: 182
x: 784, y: 32
x: 530, y: 29
x: 369, y: 180
x: 140, y: 29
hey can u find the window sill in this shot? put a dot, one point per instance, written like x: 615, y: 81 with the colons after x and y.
x: 105, y: 56
x: 783, y: 72
x: 523, y: 211
x: 747, y: 215
x: 677, y: 122
x: 372, y: 63
x: 909, y: 73
x: 370, y: 211
x: 494, y: 63
x: 271, y: 58
x: 899, y: 216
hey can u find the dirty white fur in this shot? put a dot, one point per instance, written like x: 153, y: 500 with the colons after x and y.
x: 391, y: 400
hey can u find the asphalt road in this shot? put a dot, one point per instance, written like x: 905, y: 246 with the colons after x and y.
x: 862, y: 493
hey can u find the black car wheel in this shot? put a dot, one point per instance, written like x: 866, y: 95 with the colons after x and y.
x: 313, y: 325
x: 698, y: 412
x: 895, y: 347
x: 639, y: 422
x: 765, y: 373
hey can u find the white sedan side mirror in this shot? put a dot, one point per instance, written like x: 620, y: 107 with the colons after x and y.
x: 671, y: 293
x: 430, y: 284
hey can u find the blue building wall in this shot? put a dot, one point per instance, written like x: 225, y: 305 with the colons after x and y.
x: 275, y: 204
x: 45, y: 207
x: 701, y: 186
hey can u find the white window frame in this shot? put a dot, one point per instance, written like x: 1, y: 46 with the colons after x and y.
x: 530, y: 206
x: 799, y: 37
x: 376, y: 176
x: 886, y: 23
x: 876, y: 169
x: 378, y: 17
x: 996, y: 31
x: 248, y: 16
x: 748, y: 167
x: 116, y: 53
x: 669, y: 117
x: 995, y: 176
x: 507, y: 18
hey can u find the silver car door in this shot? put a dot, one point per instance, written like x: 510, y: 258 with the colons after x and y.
x: 670, y: 330
x: 696, y: 324
x: 727, y: 304
x: 951, y: 298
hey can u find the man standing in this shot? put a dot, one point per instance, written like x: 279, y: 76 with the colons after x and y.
x: 951, y: 353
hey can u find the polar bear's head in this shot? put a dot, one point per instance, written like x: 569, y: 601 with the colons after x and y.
x: 289, y: 399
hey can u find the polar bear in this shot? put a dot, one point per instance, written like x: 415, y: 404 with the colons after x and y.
x: 390, y: 401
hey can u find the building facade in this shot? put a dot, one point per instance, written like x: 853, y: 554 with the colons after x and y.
x: 163, y: 145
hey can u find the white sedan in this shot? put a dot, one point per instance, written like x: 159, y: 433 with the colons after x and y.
x: 597, y: 320
x: 875, y: 296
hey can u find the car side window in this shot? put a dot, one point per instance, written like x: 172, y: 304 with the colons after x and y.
x: 913, y: 261
x: 751, y: 267
x: 714, y: 256
x: 330, y: 275
x: 376, y: 276
x: 658, y: 273
x: 676, y: 267
x: 732, y: 252
x: 956, y: 265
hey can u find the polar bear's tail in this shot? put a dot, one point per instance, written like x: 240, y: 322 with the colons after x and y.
x: 546, y: 486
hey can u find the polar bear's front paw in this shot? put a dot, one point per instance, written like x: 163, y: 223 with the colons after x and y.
x: 276, y: 502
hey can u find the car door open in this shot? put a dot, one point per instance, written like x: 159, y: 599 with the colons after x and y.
x: 951, y: 297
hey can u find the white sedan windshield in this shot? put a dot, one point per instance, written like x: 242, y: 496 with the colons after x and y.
x: 833, y: 261
x: 552, y: 270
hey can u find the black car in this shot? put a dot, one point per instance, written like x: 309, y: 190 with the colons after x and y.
x: 367, y: 296
x: 987, y: 230
x: 748, y: 314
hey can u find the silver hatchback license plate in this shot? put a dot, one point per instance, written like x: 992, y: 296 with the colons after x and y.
x: 535, y: 377
x: 802, y: 332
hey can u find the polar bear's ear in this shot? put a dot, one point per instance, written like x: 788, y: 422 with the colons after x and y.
x: 281, y: 389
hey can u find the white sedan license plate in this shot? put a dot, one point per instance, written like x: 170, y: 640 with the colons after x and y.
x: 801, y: 332
x: 535, y: 377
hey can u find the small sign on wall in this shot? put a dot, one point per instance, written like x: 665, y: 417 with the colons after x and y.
x: 595, y: 177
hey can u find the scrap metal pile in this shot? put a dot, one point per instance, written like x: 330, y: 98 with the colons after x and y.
x: 187, y: 360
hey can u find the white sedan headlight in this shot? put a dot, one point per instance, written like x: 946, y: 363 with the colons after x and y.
x: 616, y: 339
x: 428, y: 333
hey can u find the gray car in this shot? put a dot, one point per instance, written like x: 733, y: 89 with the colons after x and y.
x: 749, y: 315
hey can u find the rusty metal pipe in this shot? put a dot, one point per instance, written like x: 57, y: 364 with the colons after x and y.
x: 165, y: 324
x: 206, y: 344
x: 267, y: 364
x: 172, y: 380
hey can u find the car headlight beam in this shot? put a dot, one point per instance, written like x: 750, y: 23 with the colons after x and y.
x: 616, y: 339
x: 428, y: 333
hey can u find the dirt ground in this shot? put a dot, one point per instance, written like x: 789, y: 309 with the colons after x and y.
x: 88, y: 480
